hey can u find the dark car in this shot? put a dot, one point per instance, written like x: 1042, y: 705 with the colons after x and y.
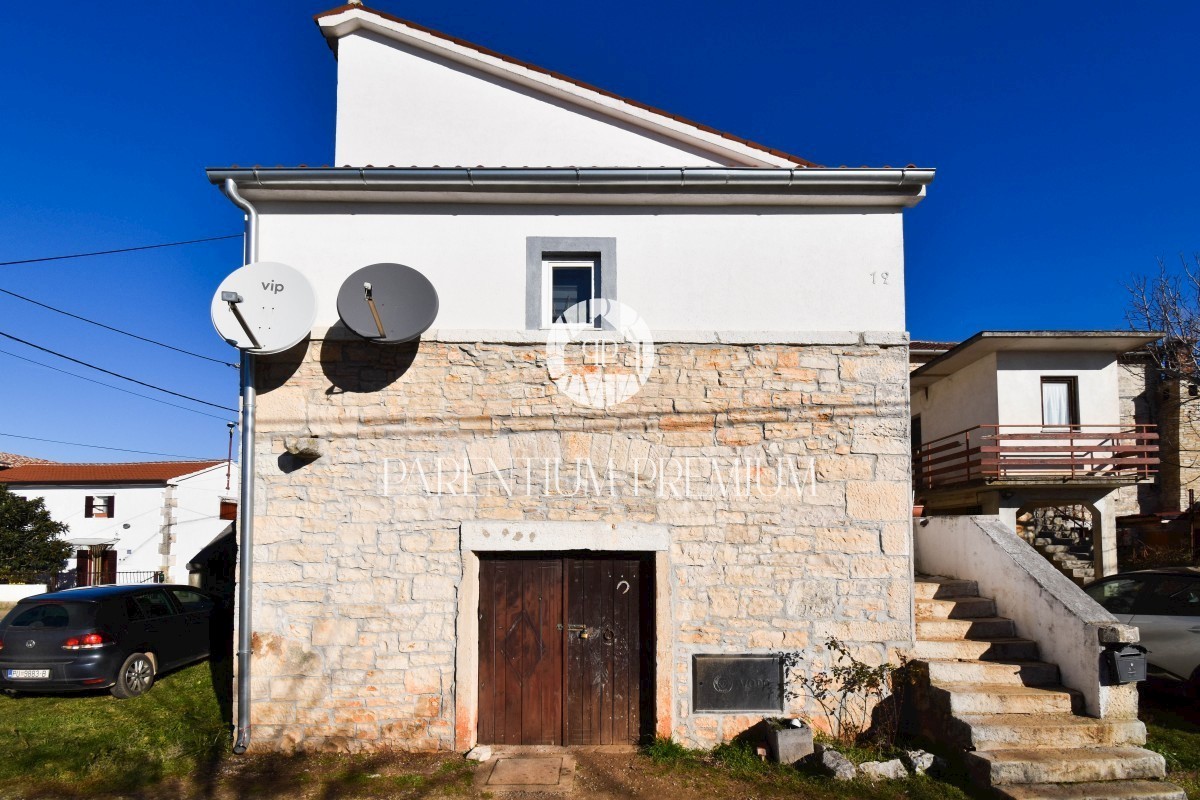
x: 1165, y: 606
x: 105, y: 637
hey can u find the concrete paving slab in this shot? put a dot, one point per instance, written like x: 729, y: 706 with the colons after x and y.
x: 549, y: 773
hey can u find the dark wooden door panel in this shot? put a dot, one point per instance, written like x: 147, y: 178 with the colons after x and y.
x: 520, y: 651
x: 604, y: 651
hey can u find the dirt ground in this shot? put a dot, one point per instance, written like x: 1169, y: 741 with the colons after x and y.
x: 599, y: 775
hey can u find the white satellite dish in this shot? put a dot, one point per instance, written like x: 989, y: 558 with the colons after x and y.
x: 264, y: 308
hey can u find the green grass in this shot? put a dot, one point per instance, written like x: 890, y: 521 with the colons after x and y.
x: 1177, y: 739
x: 87, y: 744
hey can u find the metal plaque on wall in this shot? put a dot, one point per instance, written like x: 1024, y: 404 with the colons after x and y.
x: 737, y: 683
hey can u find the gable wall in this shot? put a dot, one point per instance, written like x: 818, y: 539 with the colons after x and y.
x: 396, y: 106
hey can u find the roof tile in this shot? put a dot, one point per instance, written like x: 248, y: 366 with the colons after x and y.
x: 137, y: 472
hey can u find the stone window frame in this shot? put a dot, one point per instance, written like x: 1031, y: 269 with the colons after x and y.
x: 538, y: 248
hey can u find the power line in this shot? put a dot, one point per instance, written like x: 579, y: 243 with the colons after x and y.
x: 115, y: 374
x: 110, y: 386
x: 115, y: 330
x: 102, y: 447
x: 120, y: 250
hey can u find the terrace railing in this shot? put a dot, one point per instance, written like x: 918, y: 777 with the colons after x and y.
x: 1038, y: 454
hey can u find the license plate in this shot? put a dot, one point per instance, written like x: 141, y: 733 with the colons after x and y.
x: 29, y: 673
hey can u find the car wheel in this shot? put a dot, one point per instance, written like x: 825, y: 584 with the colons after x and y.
x: 134, y: 678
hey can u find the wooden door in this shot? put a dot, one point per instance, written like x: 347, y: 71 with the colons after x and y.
x: 520, y: 651
x: 605, y: 651
x: 565, y: 650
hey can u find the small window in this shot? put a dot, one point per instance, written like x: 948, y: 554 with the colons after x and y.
x: 1118, y: 596
x: 155, y: 604
x: 99, y: 506
x: 1172, y: 596
x: 192, y: 601
x: 44, y: 615
x: 564, y: 271
x: 1060, y: 402
x: 570, y: 282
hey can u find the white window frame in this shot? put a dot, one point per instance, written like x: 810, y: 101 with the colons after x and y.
x: 566, y: 261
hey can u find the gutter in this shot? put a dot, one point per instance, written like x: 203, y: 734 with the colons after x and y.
x: 246, y: 506
x: 418, y: 178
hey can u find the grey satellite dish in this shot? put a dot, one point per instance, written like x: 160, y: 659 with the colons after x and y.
x: 388, y: 303
x: 264, y: 308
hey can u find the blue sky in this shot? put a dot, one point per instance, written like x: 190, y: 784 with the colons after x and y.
x: 1064, y: 136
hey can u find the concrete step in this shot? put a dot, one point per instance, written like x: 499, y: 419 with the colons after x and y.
x: 998, y: 698
x: 935, y: 587
x: 1010, y: 731
x: 1009, y: 673
x: 1112, y: 790
x: 994, y: 649
x: 978, y: 628
x: 956, y: 608
x: 1053, y: 548
x: 1058, y: 765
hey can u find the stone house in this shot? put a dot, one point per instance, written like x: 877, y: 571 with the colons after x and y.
x: 465, y: 546
x: 133, y: 522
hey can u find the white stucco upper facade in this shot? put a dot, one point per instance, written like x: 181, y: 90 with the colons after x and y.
x: 703, y: 234
x: 723, y: 269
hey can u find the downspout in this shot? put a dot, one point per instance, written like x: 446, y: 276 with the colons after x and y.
x: 246, y: 506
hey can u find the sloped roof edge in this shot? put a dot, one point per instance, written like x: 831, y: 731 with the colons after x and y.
x: 131, y: 472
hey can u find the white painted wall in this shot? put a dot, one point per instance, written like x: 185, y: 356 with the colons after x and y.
x: 396, y: 107
x: 12, y: 592
x: 1006, y: 388
x: 141, y: 508
x: 729, y: 269
x: 197, y: 516
x: 1019, y: 385
x: 959, y: 401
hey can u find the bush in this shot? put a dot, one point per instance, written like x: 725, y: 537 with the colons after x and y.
x: 30, y: 543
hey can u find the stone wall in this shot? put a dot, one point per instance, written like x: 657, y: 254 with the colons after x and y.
x: 357, y: 569
x: 1136, y: 389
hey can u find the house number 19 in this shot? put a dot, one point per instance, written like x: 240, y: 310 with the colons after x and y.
x: 879, y: 277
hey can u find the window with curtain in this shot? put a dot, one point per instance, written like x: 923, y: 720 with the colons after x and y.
x: 1060, y: 405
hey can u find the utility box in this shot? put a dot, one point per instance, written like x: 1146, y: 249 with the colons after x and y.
x: 1126, y: 664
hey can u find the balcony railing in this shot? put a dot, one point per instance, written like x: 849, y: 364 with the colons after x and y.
x: 1036, y: 454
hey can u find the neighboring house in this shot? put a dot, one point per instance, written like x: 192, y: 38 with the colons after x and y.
x: 130, y: 522
x: 1009, y: 422
x: 10, y: 460
x: 439, y: 575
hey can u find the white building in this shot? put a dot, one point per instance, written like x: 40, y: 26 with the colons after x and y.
x: 130, y: 521
x: 1010, y: 421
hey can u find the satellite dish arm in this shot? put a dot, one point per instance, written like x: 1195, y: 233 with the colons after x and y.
x: 374, y: 311
x: 233, y: 298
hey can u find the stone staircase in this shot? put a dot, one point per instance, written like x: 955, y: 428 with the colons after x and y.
x: 980, y: 688
x: 1073, y: 559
